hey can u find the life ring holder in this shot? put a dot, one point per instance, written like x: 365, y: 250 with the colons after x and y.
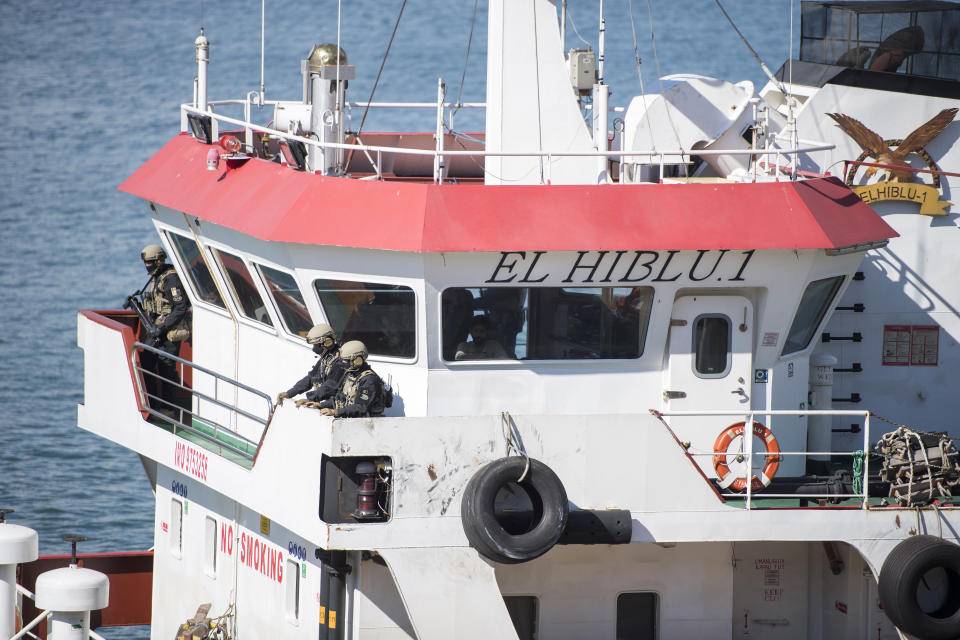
x: 729, y: 480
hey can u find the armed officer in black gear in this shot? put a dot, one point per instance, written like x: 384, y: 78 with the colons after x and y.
x: 167, y: 307
x: 361, y: 391
x: 328, y: 368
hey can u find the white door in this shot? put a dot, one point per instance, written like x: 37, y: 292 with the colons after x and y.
x: 711, y: 343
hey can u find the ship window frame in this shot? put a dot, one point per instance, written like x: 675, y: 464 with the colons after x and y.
x: 176, y: 527
x: 644, y: 324
x: 292, y: 592
x: 811, y: 328
x: 656, y: 614
x: 210, y: 546
x: 381, y: 282
x: 237, y: 305
x: 268, y: 287
x: 694, y: 346
x: 183, y: 268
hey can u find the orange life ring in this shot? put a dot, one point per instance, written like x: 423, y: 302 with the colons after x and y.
x: 739, y: 483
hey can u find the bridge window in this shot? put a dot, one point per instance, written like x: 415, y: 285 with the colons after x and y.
x: 637, y: 615
x: 545, y: 323
x: 286, y: 294
x: 382, y: 316
x: 813, y: 306
x: 244, y: 290
x: 917, y: 38
x: 197, y: 273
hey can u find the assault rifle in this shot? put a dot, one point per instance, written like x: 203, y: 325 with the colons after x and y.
x: 153, y: 333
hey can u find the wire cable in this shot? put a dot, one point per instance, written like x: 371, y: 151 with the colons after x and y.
x: 466, y: 59
x: 373, y: 90
x: 574, y: 25
x: 536, y: 62
x: 666, y: 104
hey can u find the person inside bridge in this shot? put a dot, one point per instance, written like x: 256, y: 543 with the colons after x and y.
x: 328, y: 368
x: 480, y: 347
x: 361, y: 392
x: 167, y: 308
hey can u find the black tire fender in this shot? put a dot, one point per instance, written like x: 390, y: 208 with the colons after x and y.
x: 488, y: 536
x: 909, y: 563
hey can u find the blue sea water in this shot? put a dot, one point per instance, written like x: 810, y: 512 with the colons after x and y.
x: 91, y: 90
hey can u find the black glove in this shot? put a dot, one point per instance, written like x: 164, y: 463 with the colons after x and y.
x: 154, y: 334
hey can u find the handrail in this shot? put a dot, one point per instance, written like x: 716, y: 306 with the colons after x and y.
x: 748, y: 442
x: 150, y: 401
x: 617, y: 153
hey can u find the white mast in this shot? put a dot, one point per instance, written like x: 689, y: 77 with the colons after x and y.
x: 203, y: 59
x: 601, y: 100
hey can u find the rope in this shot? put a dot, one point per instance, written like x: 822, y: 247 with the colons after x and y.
x: 514, y: 442
x: 906, y: 434
x: 574, y: 25
x: 858, y: 471
x: 636, y: 57
x: 766, y: 70
x: 375, y: 82
x: 536, y: 62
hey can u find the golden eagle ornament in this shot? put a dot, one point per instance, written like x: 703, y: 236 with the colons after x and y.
x: 873, y: 144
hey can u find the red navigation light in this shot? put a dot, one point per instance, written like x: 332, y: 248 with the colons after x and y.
x: 230, y: 144
x: 367, y: 493
x: 213, y: 160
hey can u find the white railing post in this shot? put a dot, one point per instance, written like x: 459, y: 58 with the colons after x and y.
x: 866, y: 459
x: 439, y: 167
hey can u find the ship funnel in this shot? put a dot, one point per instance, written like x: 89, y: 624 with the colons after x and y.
x: 325, y: 77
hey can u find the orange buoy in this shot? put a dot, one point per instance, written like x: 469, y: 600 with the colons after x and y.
x: 726, y: 478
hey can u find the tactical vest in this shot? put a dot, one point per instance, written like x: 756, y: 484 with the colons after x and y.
x: 326, y: 365
x: 350, y: 388
x: 155, y: 301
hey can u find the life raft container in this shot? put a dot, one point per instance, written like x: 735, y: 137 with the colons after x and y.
x: 727, y: 478
x: 919, y: 587
x: 488, y: 531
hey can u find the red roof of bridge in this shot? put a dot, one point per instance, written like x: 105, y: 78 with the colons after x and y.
x: 276, y: 203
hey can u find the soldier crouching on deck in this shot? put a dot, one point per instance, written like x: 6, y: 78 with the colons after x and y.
x: 361, y: 392
x: 328, y: 368
x: 167, y: 307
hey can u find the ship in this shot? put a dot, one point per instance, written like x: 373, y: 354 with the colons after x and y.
x: 716, y: 396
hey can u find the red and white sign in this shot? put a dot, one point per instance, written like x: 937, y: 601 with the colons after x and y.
x: 261, y: 556
x: 226, y: 538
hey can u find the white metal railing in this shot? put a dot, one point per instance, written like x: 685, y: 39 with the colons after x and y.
x: 153, y: 403
x: 440, y: 154
x: 747, y: 444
